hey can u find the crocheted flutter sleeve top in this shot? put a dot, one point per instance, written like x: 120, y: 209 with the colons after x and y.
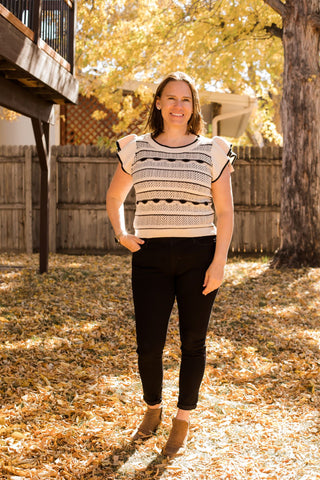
x: 173, y: 184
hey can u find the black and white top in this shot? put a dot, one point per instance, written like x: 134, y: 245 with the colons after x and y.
x: 173, y: 184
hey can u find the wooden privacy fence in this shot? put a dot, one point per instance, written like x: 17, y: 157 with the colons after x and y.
x: 79, y: 177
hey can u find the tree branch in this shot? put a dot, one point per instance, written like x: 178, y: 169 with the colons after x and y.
x: 274, y: 30
x: 277, y: 6
x: 314, y: 19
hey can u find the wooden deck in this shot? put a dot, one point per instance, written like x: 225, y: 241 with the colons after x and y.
x: 26, y: 66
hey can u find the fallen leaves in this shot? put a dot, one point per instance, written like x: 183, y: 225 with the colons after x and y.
x: 70, y: 391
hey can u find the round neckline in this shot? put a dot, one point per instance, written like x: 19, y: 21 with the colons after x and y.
x: 180, y: 146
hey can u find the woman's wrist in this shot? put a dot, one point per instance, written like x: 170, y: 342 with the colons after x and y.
x: 217, y: 261
x: 118, y: 236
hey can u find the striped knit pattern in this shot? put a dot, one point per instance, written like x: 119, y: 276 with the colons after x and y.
x: 172, y: 185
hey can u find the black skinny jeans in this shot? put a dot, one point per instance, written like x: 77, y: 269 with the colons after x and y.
x: 162, y: 270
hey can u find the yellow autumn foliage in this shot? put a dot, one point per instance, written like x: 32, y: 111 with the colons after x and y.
x: 223, y: 44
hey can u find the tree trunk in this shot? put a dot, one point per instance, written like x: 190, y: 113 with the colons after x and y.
x: 300, y: 197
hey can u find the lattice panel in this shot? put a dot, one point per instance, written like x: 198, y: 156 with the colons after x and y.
x: 78, y: 127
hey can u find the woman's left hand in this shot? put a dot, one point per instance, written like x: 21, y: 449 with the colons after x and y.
x: 213, y: 278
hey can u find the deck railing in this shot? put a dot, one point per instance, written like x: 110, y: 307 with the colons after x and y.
x: 52, y: 21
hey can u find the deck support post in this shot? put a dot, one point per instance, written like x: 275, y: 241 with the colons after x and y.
x: 41, y: 133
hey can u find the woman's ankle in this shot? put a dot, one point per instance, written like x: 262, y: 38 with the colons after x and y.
x: 183, y: 415
x: 154, y: 407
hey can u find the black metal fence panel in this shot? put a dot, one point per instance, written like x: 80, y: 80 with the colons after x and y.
x: 22, y: 9
x: 55, y: 21
x: 55, y: 18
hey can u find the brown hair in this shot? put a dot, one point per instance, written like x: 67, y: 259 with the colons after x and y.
x: 155, y: 121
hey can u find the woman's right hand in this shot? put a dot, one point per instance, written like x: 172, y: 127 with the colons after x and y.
x: 131, y: 242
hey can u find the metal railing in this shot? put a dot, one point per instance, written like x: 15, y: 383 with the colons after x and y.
x: 22, y: 9
x: 50, y: 20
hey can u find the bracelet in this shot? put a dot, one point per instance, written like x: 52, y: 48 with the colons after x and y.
x: 118, y: 236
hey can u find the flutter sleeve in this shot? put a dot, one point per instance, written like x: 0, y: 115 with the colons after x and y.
x: 222, y: 156
x: 126, y: 151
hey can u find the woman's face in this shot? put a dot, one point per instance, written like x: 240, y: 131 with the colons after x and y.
x: 175, y: 104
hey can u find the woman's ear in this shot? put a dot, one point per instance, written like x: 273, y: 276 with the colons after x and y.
x: 158, y: 104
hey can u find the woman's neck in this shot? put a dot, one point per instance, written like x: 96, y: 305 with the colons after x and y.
x: 175, y: 139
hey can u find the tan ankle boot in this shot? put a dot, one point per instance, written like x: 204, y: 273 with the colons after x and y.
x: 177, y: 438
x: 149, y: 424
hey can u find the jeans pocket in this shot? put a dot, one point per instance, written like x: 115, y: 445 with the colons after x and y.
x: 139, y: 254
x: 142, y: 245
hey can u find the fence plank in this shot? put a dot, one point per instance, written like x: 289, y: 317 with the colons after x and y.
x: 12, y: 199
x: 53, y: 202
x: 28, y: 199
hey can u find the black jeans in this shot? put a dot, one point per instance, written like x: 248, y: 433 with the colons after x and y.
x: 162, y: 270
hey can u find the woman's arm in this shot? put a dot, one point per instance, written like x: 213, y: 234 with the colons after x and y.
x: 118, y: 190
x: 223, y: 204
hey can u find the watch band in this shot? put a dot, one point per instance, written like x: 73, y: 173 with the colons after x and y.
x: 118, y: 236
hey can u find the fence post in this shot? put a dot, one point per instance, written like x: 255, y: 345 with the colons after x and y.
x: 28, y: 199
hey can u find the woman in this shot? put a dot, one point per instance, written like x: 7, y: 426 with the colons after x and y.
x: 180, y: 179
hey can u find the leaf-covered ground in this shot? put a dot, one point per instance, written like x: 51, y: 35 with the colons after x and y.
x: 70, y: 393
